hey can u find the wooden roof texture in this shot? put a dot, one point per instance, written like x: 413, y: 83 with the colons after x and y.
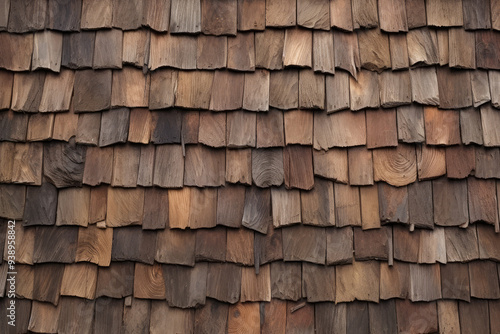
x: 251, y: 166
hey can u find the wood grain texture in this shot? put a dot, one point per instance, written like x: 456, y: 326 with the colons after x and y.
x: 489, y: 117
x: 423, y: 46
x: 244, y: 317
x: 44, y: 317
x: 393, y: 204
x: 360, y: 166
x: 170, y: 50
x: 311, y: 247
x: 70, y: 306
x: 367, y: 81
x: 317, y: 283
x: 300, y: 321
x: 227, y: 91
x: 98, y: 166
x: 240, y: 246
x: 173, y: 319
x: 41, y: 205
x: 251, y: 15
x: 486, y: 162
x: 359, y: 280
x: 212, y: 318
x: 149, y: 282
x: 339, y: 246
x: 241, y: 52
x: 108, y: 50
x: 132, y: 244
x: 330, y: 318
x: 372, y: 244
x: 396, y: 166
x: 212, y: 131
x: 374, y: 50
x: 116, y: 281
x: 364, y: 14
x: 190, y: 127
x: 486, y: 46
x: 211, y: 244
x: 230, y: 274
x: 424, y: 317
x: 450, y: 197
x: 314, y: 15
x: 92, y: 90
x: 55, y: 244
x: 230, y: 205
x: 11, y: 60
x: 239, y: 166
x: 392, y: 15
x: 375, y: 122
x: 269, y: 49
x: 460, y: 39
x: 241, y: 129
x: 27, y: 91
x: 63, y: 85
x: 267, y: 167
x: 410, y: 121
x: 415, y: 13
x: 284, y: 89
x: 323, y: 52
x: 455, y: 281
x: 193, y: 89
x: 166, y: 126
x: 94, y: 245
x: 125, y: 207
x: 40, y: 127
x: 487, y: 241
x: 281, y: 13
x: 442, y: 13
x: 88, y: 128
x: 204, y: 167
x: 130, y: 88
x: 27, y: 16
x: 481, y: 199
x: 96, y: 14
x: 175, y: 246
x: 470, y: 126
x: 425, y: 282
x: 483, y: 280
x: 337, y: 92
x: 431, y: 162
x: 185, y: 16
x: 64, y: 164
x: 298, y: 48
x: 347, y: 205
x: 157, y: 15
x: 125, y: 166
x: 399, y: 51
x: 286, y: 281
x: 454, y: 88
x: 298, y: 168
x: 162, y: 90
x: 256, y: 287
x: 212, y: 52
x: 441, y: 126
x: 79, y: 280
x: 311, y: 90
x: 394, y: 280
x: 256, y: 91
x: 317, y: 205
x: 395, y: 88
x: 48, y: 290
x: 477, y: 15
x: 473, y: 316
x: 257, y: 212
x: 424, y: 86
x: 73, y: 206
x: 114, y: 126
x: 218, y: 17
x: 268, y: 247
x: 298, y: 127
x: 285, y: 206
x: 461, y: 245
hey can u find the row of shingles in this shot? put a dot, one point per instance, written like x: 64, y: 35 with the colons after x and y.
x: 363, y: 279
x: 272, y: 49
x: 391, y: 316
x: 240, y: 15
x: 256, y: 91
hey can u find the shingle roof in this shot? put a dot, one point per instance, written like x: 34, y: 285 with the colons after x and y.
x: 298, y: 166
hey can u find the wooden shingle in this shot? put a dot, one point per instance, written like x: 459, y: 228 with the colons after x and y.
x: 377, y: 120
x: 6, y: 79
x: 70, y: 306
x: 490, y: 118
x: 48, y: 291
x: 298, y: 127
x: 64, y: 16
x: 311, y: 90
x: 41, y: 205
x: 157, y: 15
x: 108, y: 315
x: 145, y: 173
x: 168, y: 166
x: 108, y: 50
x: 426, y: 313
x: 243, y: 317
x: 442, y: 13
x: 162, y: 89
x: 392, y: 15
x: 486, y: 47
x: 98, y: 166
x: 431, y: 162
x: 230, y: 274
x: 396, y: 166
x: 125, y: 166
x: 251, y: 15
x: 360, y: 166
x: 360, y: 280
x: 155, y: 214
x: 125, y: 207
x: 12, y: 60
x: 96, y: 14
x: 432, y: 246
x: 337, y: 92
x: 149, y: 282
x: 257, y: 211
x: 369, y: 207
x: 178, y: 51
x: 132, y: 244
x: 281, y: 13
x: 270, y: 132
x: 346, y: 52
x: 92, y: 90
x: 47, y: 51
x: 323, y: 52
x: 461, y: 244
x: 64, y: 164
x: 55, y: 244
x: 425, y: 282
x: 175, y: 246
x: 44, y: 317
x: 284, y: 89
x: 470, y: 126
x: 317, y: 205
x: 114, y: 126
x: 27, y: 16
x: 394, y: 280
x: 116, y: 281
x: 462, y: 48
x: 190, y: 127
x: 298, y: 168
x: 127, y: 15
x: 193, y: 89
x: 166, y: 126
x: 311, y: 247
x: 212, y: 131
x: 241, y: 52
x: 256, y: 287
x: 450, y: 197
x: 40, y: 127
x: 212, y: 318
x: 130, y: 88
x: 441, y: 126
x: 372, y: 244
x: 474, y: 316
x: 487, y: 160
x: 240, y: 246
x: 331, y: 164
x: 367, y: 81
x: 63, y: 85
x: 269, y: 49
x: 480, y: 87
x: 395, y: 88
x: 239, y: 166
x: 476, y: 15
x: 393, y: 204
x: 227, y: 91
x: 285, y: 206
x: 204, y: 166
x: 212, y: 52
x: 341, y: 14
x: 423, y: 46
x: 73, y: 206
x: 94, y: 245
x: 256, y: 91
x: 27, y: 91
x: 347, y: 205
x: 218, y: 17
x: 286, y: 280
x: 314, y: 15
x: 443, y: 45
x: 374, y: 50
x: 481, y: 199
x: 484, y: 280
x: 399, y: 51
x: 487, y: 241
x: 420, y: 204
x: 140, y: 126
x: 298, y: 48
x: 79, y: 280
x: 460, y: 161
x: 410, y: 120
x: 455, y: 281
x: 317, y: 282
x: 454, y: 88
x: 193, y: 281
x: 185, y: 16
x: 424, y: 86
x: 364, y: 14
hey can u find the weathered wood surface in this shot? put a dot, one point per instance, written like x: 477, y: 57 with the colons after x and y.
x: 257, y: 212
x: 269, y: 48
x: 374, y: 50
x: 311, y: 90
x: 185, y: 16
x: 241, y: 129
x: 178, y: 51
x: 256, y: 287
x: 286, y: 281
x: 284, y: 89
x: 285, y: 206
x: 311, y: 247
x: 347, y: 205
x: 424, y: 86
x: 27, y: 91
x: 396, y: 166
x: 251, y: 15
x: 241, y: 52
x: 281, y: 13
x: 393, y: 204
x: 360, y: 280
